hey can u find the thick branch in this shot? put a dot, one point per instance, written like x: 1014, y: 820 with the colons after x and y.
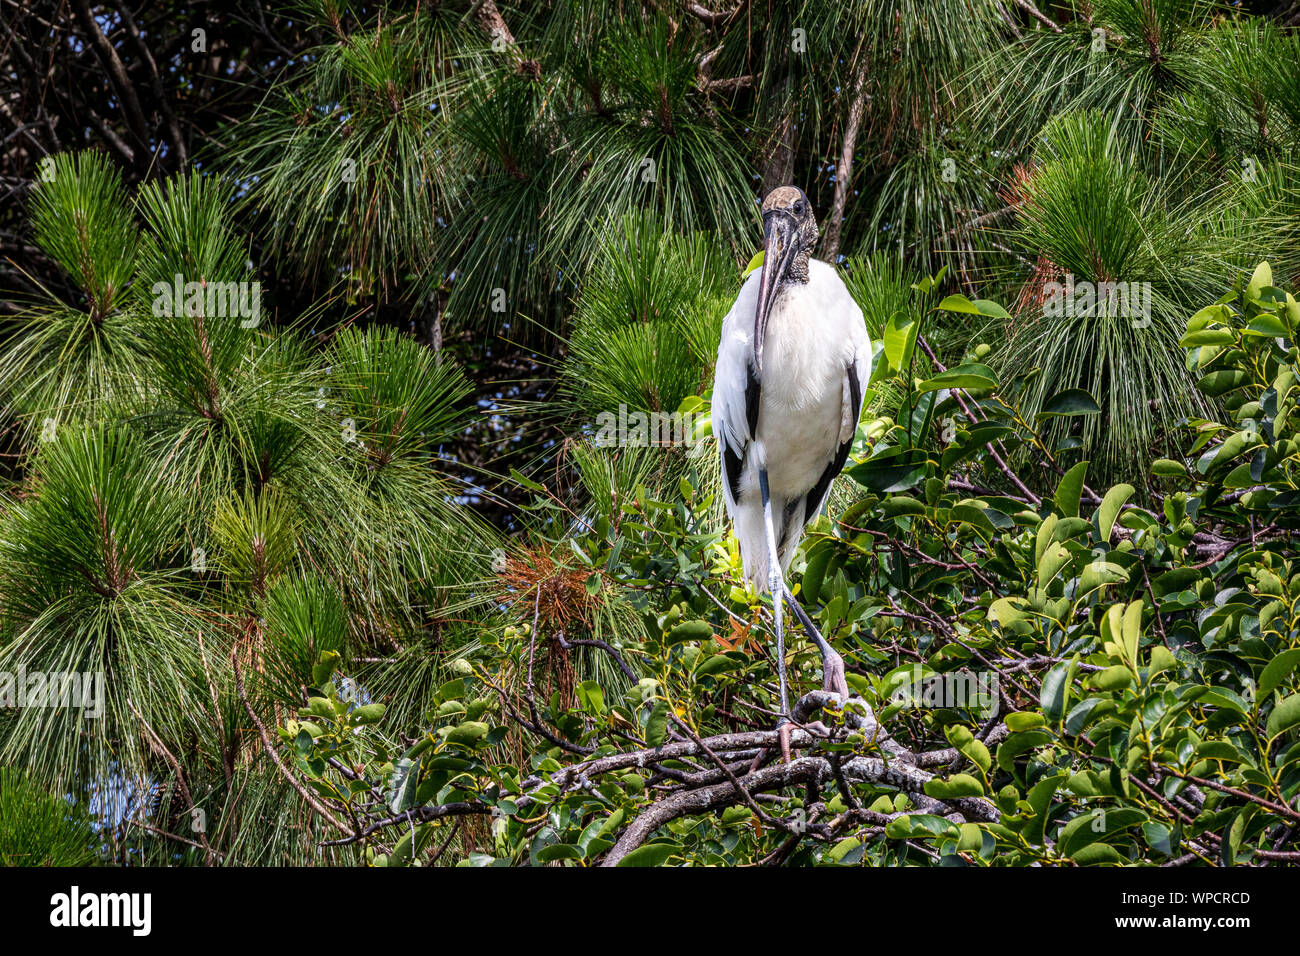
x: 804, y: 770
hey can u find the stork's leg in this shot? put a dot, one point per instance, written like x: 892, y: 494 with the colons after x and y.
x: 833, y: 678
x: 776, y: 587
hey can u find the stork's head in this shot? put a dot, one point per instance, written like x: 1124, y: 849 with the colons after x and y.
x: 789, y: 234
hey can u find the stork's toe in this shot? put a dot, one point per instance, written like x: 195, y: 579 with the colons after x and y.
x: 833, y: 678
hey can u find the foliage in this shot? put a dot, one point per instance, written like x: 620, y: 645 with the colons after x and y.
x: 1097, y: 222
x: 225, y: 494
x: 38, y: 828
x: 647, y: 321
x: 270, y: 532
x: 349, y: 160
x: 1082, y: 680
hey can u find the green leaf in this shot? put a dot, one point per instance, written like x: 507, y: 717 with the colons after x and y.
x: 523, y: 482
x: 1205, y: 337
x: 1162, y: 659
x: 402, y: 784
x: 977, y: 753
x: 1055, y: 557
x: 368, y: 714
x: 402, y: 850
x: 614, y: 821
x: 897, y: 506
x: 1070, y: 490
x: 468, y: 733
x: 1230, y: 844
x: 1020, y: 721
x: 1284, y: 716
x: 959, y: 303
x: 912, y: 826
x: 1094, y: 826
x: 958, y: 785
x: 1097, y: 854
x: 717, y: 664
x: 689, y: 631
x: 1056, y: 685
x: 1099, y: 574
x: 1269, y: 325
x: 591, y: 697
x: 845, y: 846
x: 1168, y: 468
x: 1277, y: 671
x: 991, y: 309
x: 653, y: 854
x: 324, y: 668
x: 1131, y: 629
x: 1017, y: 744
x: 656, y: 727
x: 1158, y: 837
x: 1112, y: 678
x: 929, y: 282
x: 1259, y: 279
x: 899, y: 340
x: 814, y: 572
x: 1040, y: 802
x: 1223, y: 381
x: 558, y: 851
x: 888, y: 475
x: 972, y: 838
x: 970, y: 375
x: 1109, y: 509
x: 1072, y: 401
x: 1007, y: 611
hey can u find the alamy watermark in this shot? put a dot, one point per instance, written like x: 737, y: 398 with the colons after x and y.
x: 133, y: 911
x: 1070, y: 299
x: 71, y: 690
x: 242, y: 300
x: 634, y: 429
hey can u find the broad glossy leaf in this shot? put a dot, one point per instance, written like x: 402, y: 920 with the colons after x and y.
x: 1072, y: 401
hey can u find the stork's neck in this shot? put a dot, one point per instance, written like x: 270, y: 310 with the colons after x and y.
x: 798, y: 271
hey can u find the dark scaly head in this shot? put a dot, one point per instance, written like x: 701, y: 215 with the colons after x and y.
x: 789, y: 234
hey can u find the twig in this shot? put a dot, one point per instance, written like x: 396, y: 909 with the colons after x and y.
x: 275, y: 756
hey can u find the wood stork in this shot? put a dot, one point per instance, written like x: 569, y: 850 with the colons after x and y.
x: 793, y: 366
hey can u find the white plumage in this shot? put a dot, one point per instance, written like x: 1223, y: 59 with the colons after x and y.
x: 793, y: 366
x: 816, y: 336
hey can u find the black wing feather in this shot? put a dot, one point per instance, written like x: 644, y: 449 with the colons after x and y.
x: 732, y: 463
x: 817, y: 496
x: 752, y: 394
x: 733, y: 459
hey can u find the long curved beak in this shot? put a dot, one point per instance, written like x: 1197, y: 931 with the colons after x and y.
x: 778, y: 253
